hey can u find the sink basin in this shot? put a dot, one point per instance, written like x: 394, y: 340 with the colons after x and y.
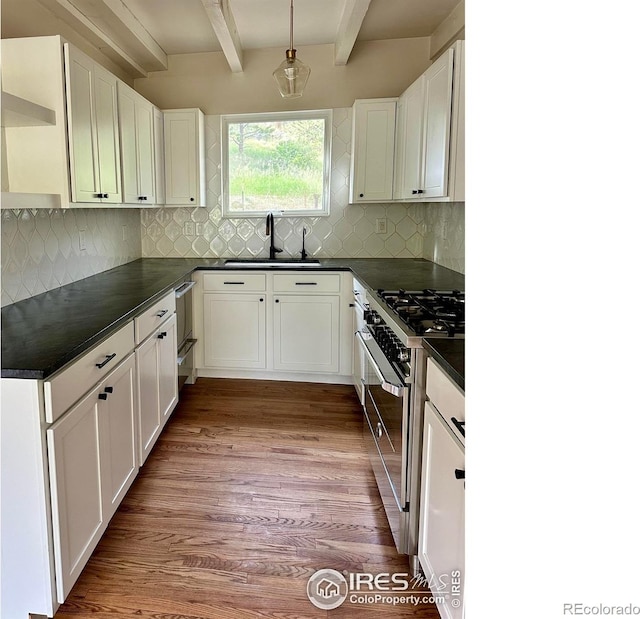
x: 270, y: 264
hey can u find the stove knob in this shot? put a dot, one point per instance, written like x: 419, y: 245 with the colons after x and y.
x: 372, y: 318
x: 403, y: 354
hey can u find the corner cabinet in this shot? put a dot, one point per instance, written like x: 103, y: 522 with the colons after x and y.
x: 372, y: 157
x: 430, y: 135
x: 185, y: 182
x: 94, y: 147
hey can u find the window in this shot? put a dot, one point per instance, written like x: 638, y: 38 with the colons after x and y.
x: 276, y: 162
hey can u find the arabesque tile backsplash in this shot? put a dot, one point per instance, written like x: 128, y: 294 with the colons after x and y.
x: 40, y: 248
x: 349, y: 230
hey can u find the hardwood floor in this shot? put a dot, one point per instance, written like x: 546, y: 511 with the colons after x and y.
x: 252, y: 487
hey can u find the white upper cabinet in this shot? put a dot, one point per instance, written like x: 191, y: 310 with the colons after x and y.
x: 374, y: 127
x: 93, y: 130
x: 137, y: 143
x: 184, y: 158
x: 430, y: 136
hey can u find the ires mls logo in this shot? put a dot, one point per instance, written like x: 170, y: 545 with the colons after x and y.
x: 327, y: 589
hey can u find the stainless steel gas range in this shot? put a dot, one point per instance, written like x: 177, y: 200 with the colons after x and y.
x: 393, y: 377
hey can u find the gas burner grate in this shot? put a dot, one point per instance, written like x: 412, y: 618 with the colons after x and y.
x: 428, y: 312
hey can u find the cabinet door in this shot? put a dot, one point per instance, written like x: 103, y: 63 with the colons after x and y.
x: 106, y: 114
x: 127, y: 118
x: 441, y: 537
x: 85, y: 175
x: 182, y: 158
x: 438, y: 93
x: 145, y: 144
x: 167, y: 368
x: 137, y: 146
x: 373, y: 151
x: 93, y: 128
x: 78, y: 506
x: 235, y: 331
x: 306, y: 333
x: 118, y: 416
x: 412, y: 101
x: 149, y: 418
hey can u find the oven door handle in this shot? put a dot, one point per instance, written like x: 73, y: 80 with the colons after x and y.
x: 183, y: 289
x: 391, y: 383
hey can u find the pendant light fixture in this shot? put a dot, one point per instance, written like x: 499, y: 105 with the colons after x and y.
x: 292, y: 75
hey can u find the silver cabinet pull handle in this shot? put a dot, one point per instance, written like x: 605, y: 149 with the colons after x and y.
x: 162, y: 313
x: 183, y: 289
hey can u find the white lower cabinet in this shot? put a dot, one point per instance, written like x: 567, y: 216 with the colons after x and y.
x: 265, y: 324
x: 70, y: 448
x: 92, y: 463
x: 306, y: 331
x: 235, y: 334
x: 441, y: 538
x: 157, y: 373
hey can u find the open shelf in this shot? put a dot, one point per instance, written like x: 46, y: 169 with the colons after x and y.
x: 18, y: 112
x: 20, y: 200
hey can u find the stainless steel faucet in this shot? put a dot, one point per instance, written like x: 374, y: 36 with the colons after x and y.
x: 273, y: 250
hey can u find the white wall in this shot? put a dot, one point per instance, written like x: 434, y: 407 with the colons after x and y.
x: 375, y: 69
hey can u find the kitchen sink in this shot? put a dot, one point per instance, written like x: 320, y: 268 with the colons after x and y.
x: 269, y: 264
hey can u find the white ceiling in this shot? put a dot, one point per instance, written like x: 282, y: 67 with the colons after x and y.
x: 138, y: 34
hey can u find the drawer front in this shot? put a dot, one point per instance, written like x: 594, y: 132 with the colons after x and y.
x: 444, y: 393
x: 153, y: 317
x: 233, y: 281
x: 306, y: 282
x: 359, y: 292
x: 69, y: 385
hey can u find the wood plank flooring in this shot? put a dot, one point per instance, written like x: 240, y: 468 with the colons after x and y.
x: 252, y: 487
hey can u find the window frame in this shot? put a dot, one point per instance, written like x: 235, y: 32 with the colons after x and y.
x: 227, y: 119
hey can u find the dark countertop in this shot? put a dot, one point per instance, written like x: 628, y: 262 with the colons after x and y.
x: 42, y: 334
x: 449, y: 354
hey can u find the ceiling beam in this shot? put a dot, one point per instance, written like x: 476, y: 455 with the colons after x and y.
x: 224, y: 26
x: 451, y: 28
x: 69, y: 14
x: 118, y: 22
x: 348, y: 29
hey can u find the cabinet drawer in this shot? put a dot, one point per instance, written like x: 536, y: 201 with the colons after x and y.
x: 444, y: 393
x: 154, y: 316
x: 66, y: 387
x: 306, y: 282
x: 234, y: 282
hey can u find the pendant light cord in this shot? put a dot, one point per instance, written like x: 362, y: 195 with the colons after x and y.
x: 291, y: 28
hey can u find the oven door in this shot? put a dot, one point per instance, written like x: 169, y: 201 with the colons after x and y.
x: 386, y: 408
